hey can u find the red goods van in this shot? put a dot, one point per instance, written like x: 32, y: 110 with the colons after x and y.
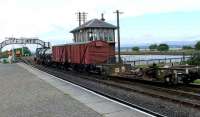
x: 95, y: 52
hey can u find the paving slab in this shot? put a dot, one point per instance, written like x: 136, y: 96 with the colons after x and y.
x: 23, y: 94
x: 90, y: 99
x: 107, y: 107
x: 125, y: 113
x: 98, y: 103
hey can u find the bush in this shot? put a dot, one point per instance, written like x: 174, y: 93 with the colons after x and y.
x: 163, y: 47
x: 135, y: 49
x: 195, y: 59
x: 153, y: 47
x: 187, y: 47
x: 197, y: 45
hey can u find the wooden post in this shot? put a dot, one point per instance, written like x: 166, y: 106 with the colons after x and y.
x: 118, y: 34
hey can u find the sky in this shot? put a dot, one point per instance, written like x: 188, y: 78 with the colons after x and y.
x: 142, y: 21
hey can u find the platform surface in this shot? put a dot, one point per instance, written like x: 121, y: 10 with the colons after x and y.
x: 28, y: 92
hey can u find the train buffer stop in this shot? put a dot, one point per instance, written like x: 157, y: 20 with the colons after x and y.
x: 28, y: 92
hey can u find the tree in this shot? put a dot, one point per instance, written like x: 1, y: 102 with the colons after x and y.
x: 163, y: 47
x: 197, y: 45
x: 153, y: 47
x: 135, y: 49
x: 186, y: 48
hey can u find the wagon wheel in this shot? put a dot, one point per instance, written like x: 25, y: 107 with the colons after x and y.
x: 170, y: 80
x: 173, y: 81
x: 186, y: 79
x: 105, y: 74
x: 140, y: 73
x: 167, y: 79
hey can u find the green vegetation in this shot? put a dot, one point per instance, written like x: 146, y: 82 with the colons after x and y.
x: 142, y: 66
x: 195, y: 59
x: 4, y: 54
x: 163, y: 47
x: 197, y: 81
x: 18, y: 52
x: 197, y: 45
x: 187, y: 48
x: 153, y: 47
x: 4, y: 60
x: 135, y: 49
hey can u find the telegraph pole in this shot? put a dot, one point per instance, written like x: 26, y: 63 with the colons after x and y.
x: 118, y: 35
x: 81, y: 17
x: 84, y: 17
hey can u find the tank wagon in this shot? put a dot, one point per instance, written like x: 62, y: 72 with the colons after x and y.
x: 43, y: 56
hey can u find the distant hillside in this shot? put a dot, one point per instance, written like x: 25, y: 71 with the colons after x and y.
x: 172, y: 45
x: 180, y: 43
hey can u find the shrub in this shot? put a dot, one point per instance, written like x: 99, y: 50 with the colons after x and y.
x: 187, y: 47
x: 135, y: 49
x: 153, y: 47
x: 163, y: 47
x: 195, y: 59
x: 197, y: 45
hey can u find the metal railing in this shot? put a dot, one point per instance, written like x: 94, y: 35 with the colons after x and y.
x: 158, y: 61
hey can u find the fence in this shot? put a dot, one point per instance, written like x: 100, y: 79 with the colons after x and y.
x: 158, y: 61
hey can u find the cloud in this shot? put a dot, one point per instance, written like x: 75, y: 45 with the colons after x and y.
x: 36, y: 18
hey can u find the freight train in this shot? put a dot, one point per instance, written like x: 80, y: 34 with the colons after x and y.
x: 93, y: 50
x: 87, y: 56
x: 97, y: 56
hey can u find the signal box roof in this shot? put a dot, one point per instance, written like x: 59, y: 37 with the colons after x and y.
x: 94, y: 23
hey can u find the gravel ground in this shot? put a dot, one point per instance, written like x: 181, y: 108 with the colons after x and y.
x: 24, y: 95
x: 155, y: 104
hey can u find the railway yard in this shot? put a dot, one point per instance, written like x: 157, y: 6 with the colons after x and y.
x: 87, y: 78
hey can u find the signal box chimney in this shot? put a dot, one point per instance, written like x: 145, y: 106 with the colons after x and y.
x: 102, y: 17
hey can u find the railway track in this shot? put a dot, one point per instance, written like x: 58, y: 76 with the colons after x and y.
x: 193, y: 88
x: 173, y: 95
x: 59, y: 74
x: 177, y: 95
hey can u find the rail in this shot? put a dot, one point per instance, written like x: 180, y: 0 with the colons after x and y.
x: 84, y: 78
x: 154, y: 91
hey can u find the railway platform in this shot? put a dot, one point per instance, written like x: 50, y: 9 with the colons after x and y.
x: 28, y: 92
